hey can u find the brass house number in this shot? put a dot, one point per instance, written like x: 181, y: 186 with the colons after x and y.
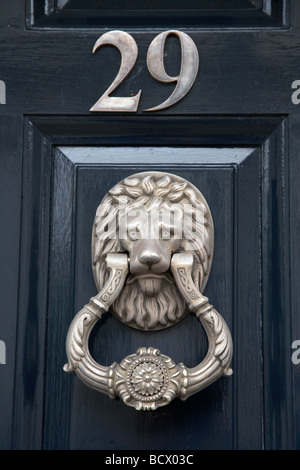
x: 127, y: 46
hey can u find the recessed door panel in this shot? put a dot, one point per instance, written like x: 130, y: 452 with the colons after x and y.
x: 81, y: 177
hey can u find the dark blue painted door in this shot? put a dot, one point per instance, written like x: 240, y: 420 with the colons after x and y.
x: 235, y: 136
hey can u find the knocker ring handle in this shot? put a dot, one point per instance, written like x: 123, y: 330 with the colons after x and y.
x: 149, y: 379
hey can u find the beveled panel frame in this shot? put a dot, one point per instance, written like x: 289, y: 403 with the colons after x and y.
x: 91, y: 14
x: 49, y: 194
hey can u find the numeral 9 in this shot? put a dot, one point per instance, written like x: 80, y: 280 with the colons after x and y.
x: 125, y: 43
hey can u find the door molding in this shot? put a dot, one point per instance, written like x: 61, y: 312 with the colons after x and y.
x: 266, y: 167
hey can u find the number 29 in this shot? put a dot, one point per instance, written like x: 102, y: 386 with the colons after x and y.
x: 155, y: 63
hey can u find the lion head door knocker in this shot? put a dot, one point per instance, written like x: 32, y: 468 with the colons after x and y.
x: 152, y: 247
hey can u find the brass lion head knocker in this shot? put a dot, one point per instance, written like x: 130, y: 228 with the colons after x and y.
x: 152, y: 247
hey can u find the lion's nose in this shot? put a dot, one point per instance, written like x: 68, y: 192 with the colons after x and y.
x: 150, y: 257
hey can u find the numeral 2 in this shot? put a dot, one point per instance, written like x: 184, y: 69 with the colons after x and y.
x: 127, y: 46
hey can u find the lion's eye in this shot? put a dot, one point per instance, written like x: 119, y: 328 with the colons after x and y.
x: 165, y: 234
x: 133, y: 234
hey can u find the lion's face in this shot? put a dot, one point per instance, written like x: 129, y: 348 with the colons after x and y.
x: 150, y: 240
x: 150, y: 297
x: 150, y: 231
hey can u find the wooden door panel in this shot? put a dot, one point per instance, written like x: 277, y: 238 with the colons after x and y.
x: 62, y: 186
x: 113, y: 341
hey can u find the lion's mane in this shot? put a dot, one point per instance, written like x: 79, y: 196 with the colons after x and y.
x: 149, y: 189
